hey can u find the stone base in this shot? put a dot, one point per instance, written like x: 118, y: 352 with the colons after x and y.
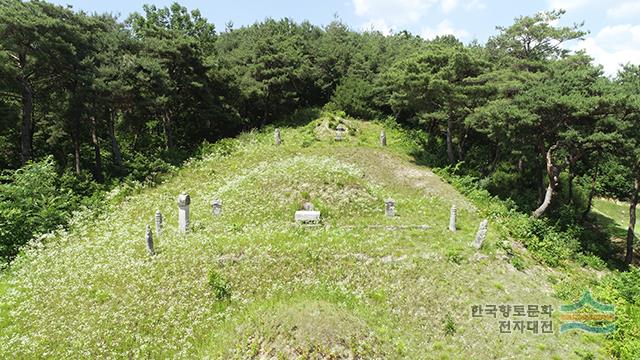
x: 307, y: 216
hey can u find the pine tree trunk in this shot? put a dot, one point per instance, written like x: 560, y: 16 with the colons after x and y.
x: 26, y: 134
x: 592, y: 192
x: 496, y: 157
x: 632, y: 223
x: 115, y: 147
x: 168, y: 130
x: 452, y: 158
x: 97, y: 170
x: 552, y: 173
x: 520, y: 166
x: 571, y: 176
x: 76, y: 149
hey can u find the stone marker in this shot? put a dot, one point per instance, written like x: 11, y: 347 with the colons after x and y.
x: 481, y: 235
x: 158, y: 222
x: 452, y: 218
x: 390, y: 207
x: 307, y: 216
x: 183, y: 212
x: 308, y: 206
x: 149, y: 237
x: 216, y: 207
x: 383, y: 138
x: 340, y: 131
x: 277, y: 138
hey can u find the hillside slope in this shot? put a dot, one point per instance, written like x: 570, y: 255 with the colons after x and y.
x: 253, y: 284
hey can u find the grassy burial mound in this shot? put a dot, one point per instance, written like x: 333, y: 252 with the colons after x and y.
x: 251, y: 283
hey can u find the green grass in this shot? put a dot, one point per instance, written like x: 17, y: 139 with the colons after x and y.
x: 616, y: 211
x: 251, y: 283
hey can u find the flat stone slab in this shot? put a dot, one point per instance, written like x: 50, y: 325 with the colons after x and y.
x: 307, y: 216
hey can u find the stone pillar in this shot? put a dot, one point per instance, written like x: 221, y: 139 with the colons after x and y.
x: 183, y: 212
x: 390, y: 207
x: 340, y: 131
x: 149, y: 238
x: 277, y: 138
x: 158, y: 222
x: 383, y: 138
x: 481, y: 235
x: 452, y: 218
x: 216, y: 207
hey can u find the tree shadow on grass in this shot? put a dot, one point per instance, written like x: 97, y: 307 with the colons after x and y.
x: 607, y: 240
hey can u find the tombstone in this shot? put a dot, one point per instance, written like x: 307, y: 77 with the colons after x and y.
x: 149, y: 238
x: 383, y: 138
x: 452, y: 218
x: 183, y: 212
x: 158, y: 222
x: 216, y: 207
x: 307, y: 206
x: 305, y: 216
x: 340, y: 131
x: 277, y: 138
x: 481, y: 235
x: 390, y: 207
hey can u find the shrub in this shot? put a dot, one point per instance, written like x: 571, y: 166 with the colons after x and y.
x: 141, y: 168
x: 32, y: 201
x: 623, y: 290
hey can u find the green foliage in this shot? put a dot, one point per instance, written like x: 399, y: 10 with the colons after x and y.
x: 518, y: 262
x: 354, y: 96
x: 623, y: 290
x: 455, y: 255
x: 145, y: 169
x: 32, y: 201
x: 220, y: 287
x: 449, y: 325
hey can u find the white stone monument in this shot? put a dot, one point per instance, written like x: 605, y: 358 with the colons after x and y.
x: 481, y: 235
x: 390, y: 207
x: 340, y: 132
x: 277, y: 138
x: 183, y: 212
x: 452, y: 218
x: 216, y: 207
x: 383, y: 138
x: 305, y: 216
x: 158, y: 222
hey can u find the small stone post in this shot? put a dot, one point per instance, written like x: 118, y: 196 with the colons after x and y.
x: 390, y: 208
x: 277, y: 138
x: 183, y: 212
x: 383, y: 138
x: 481, y: 235
x: 149, y: 238
x: 216, y: 207
x: 452, y: 218
x: 158, y: 223
x: 340, y: 131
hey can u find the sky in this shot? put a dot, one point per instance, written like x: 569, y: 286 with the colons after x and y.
x: 614, y: 26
